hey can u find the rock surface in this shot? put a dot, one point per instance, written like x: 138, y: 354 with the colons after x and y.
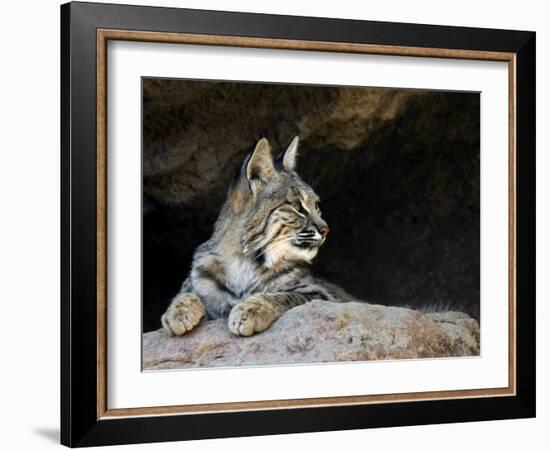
x: 319, y: 332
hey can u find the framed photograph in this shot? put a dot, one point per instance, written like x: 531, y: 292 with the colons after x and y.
x: 277, y: 224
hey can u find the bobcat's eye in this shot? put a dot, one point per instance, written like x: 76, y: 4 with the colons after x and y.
x: 297, y: 205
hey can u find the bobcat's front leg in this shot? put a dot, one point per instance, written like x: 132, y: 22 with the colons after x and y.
x: 183, y: 314
x: 259, y: 311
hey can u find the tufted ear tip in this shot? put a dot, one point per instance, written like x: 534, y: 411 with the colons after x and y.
x: 295, y: 142
x: 263, y: 142
x: 290, y: 155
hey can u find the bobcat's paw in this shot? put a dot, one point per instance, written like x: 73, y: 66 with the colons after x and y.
x: 185, y: 312
x: 251, y: 316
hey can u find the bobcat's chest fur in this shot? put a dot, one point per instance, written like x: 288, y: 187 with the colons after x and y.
x: 242, y: 277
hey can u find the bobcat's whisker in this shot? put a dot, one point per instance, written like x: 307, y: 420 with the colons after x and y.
x: 272, y: 246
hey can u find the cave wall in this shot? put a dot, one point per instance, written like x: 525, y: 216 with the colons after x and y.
x: 397, y: 172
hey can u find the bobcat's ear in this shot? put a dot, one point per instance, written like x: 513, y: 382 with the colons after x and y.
x: 260, y: 164
x: 257, y: 168
x: 287, y: 159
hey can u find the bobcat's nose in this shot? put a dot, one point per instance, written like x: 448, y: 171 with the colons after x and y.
x: 324, y: 229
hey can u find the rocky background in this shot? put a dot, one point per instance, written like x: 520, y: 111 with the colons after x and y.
x: 397, y: 172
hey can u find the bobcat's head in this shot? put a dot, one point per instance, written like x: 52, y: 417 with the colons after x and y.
x: 279, y: 213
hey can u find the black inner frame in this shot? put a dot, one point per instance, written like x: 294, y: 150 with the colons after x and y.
x: 79, y: 424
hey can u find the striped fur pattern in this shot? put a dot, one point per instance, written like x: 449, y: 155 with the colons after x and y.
x: 257, y: 263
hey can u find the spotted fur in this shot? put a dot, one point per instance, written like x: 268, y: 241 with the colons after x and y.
x: 257, y: 263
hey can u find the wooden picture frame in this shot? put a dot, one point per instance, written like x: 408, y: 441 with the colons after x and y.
x: 86, y: 418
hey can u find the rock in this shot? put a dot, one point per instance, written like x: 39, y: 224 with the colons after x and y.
x: 194, y: 131
x: 316, y: 332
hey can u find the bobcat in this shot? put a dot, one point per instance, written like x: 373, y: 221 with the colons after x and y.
x: 256, y: 265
